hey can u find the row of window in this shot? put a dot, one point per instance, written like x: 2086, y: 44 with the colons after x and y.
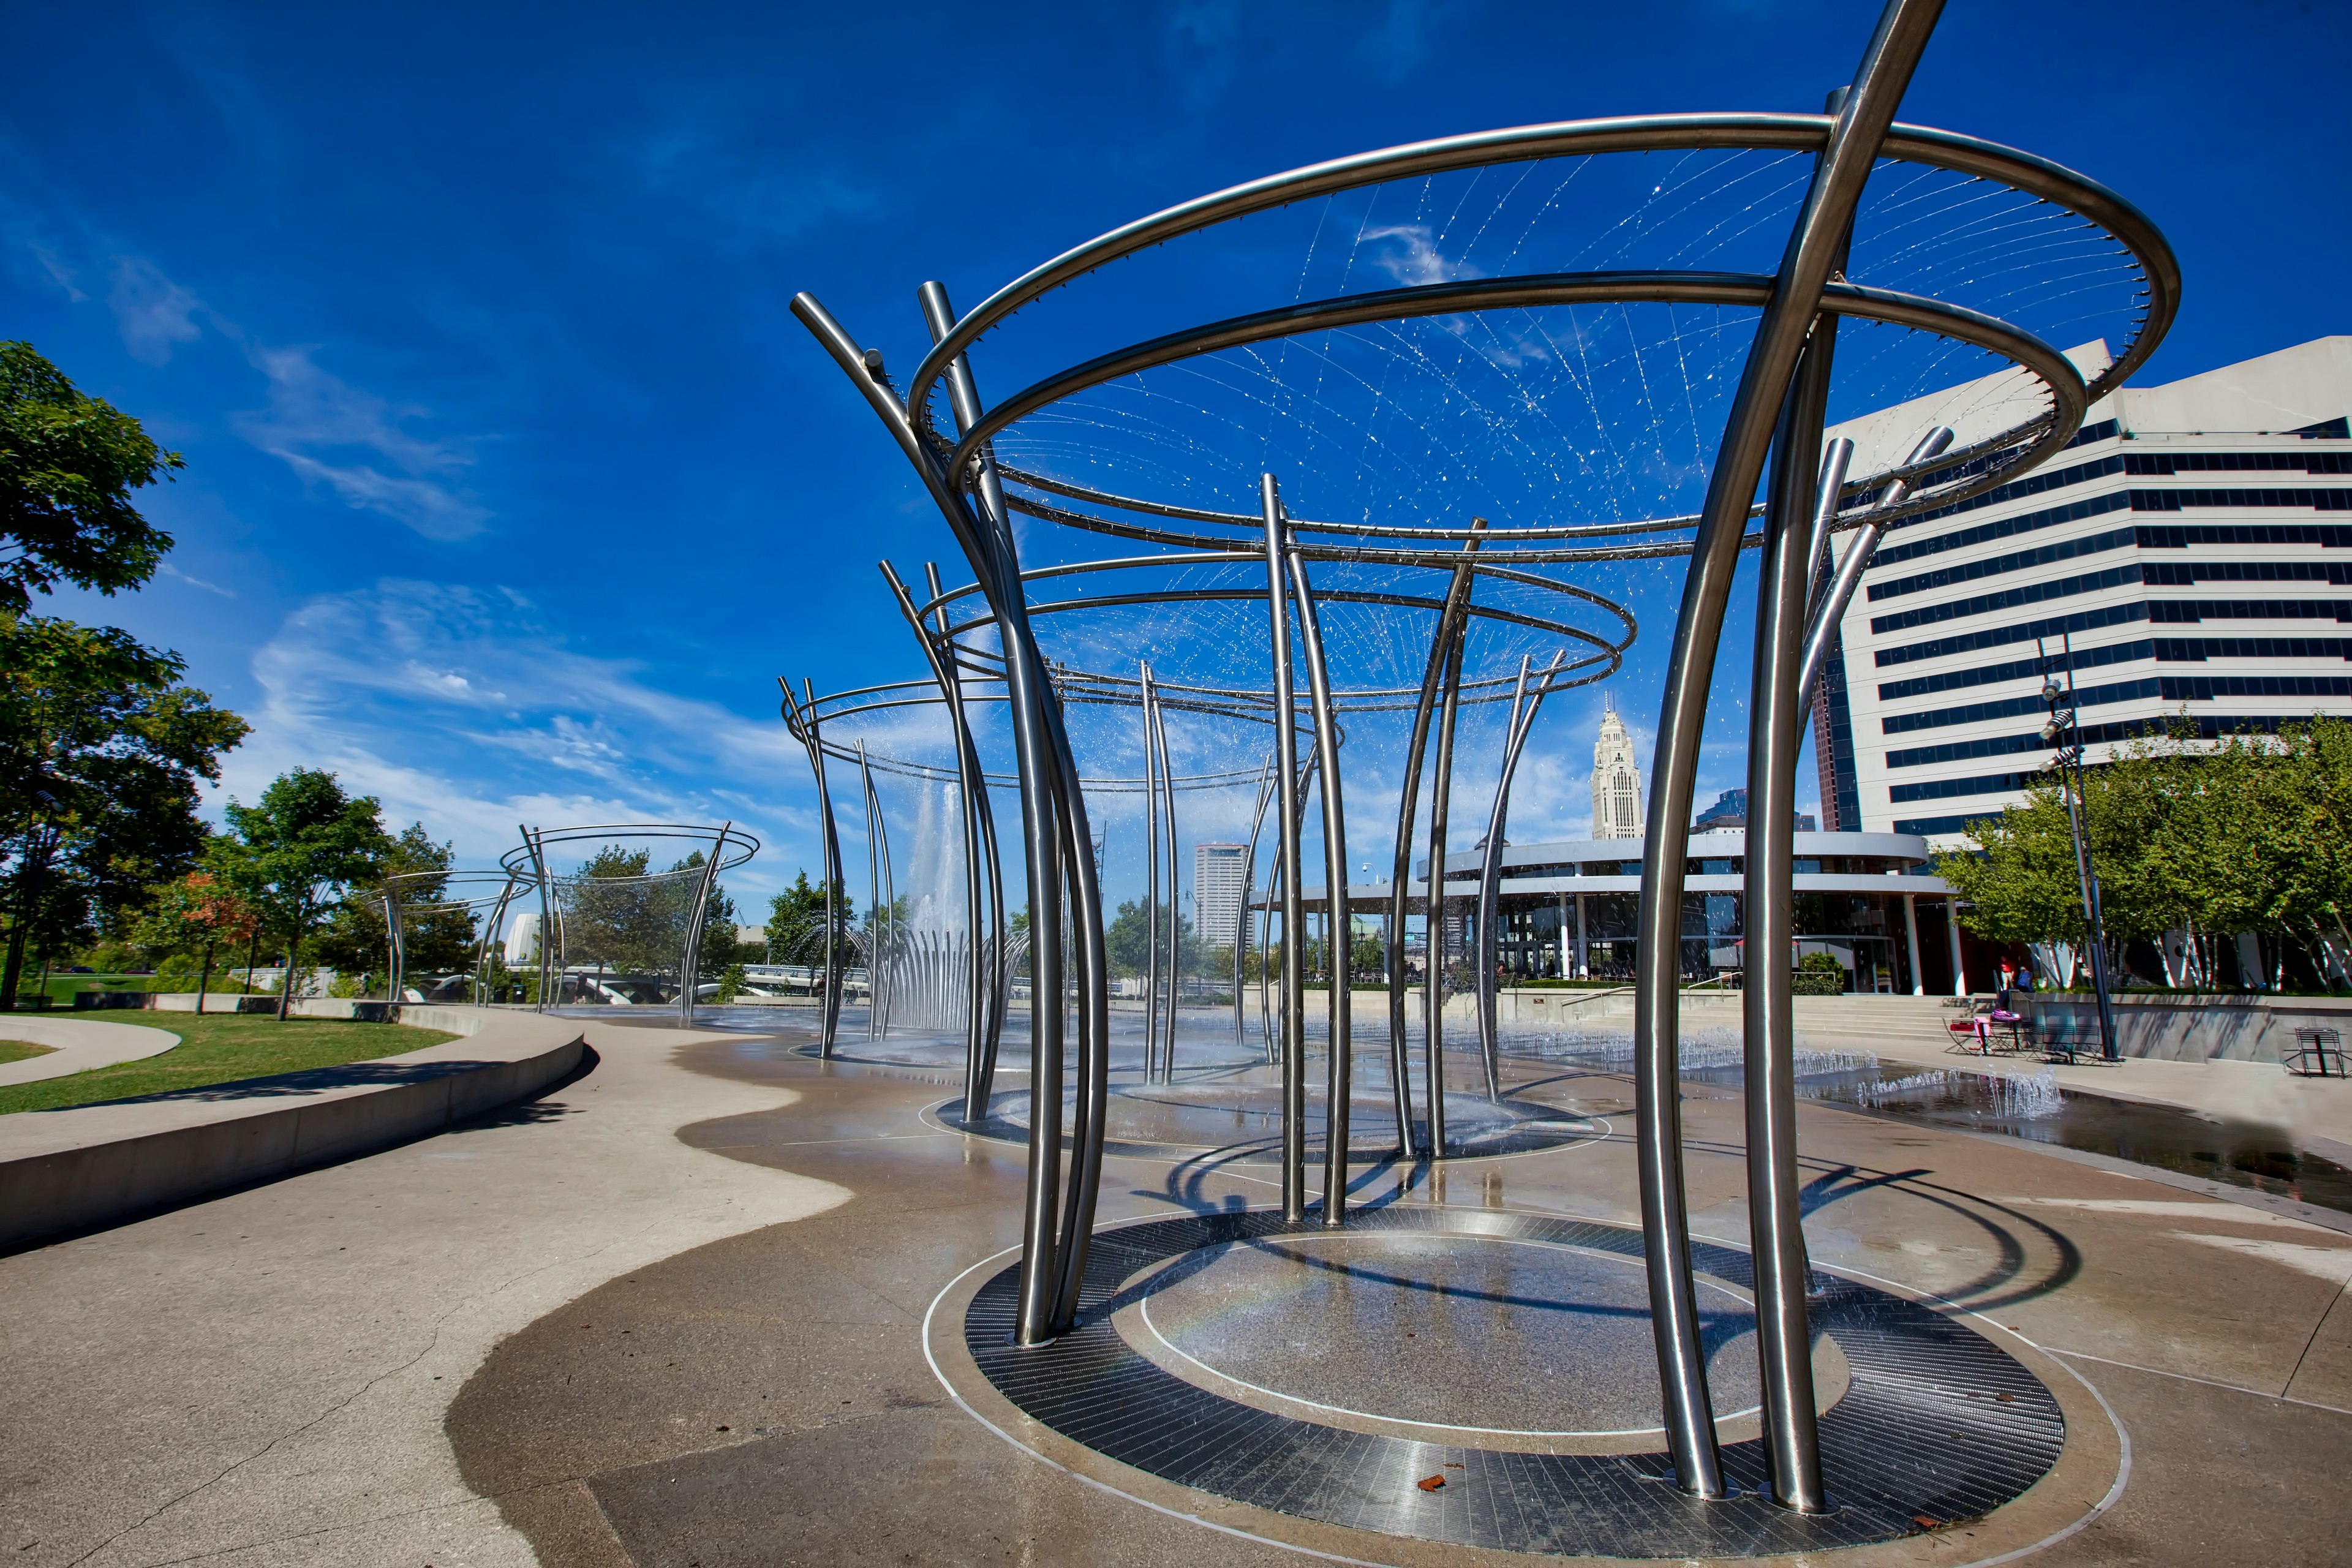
x: 2189, y: 573
x: 2014, y: 669
x: 2002, y: 565
x: 2236, y: 462
x: 2163, y: 650
x: 2209, y: 727
x: 2049, y: 627
x: 2170, y: 687
x: 2011, y: 707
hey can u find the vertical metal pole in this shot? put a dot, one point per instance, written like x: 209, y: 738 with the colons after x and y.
x: 1525, y: 703
x: 1784, y: 1339
x: 2090, y: 875
x: 1911, y: 940
x: 1457, y: 597
x: 873, y: 900
x: 1813, y: 245
x: 392, y: 941
x: 1293, y: 919
x: 546, y: 907
x: 1175, y: 919
x: 970, y: 799
x: 1583, y: 955
x: 693, y: 955
x: 1952, y: 935
x: 1249, y: 879
x: 1433, y: 988
x: 1151, y: 884
x: 1339, y: 1078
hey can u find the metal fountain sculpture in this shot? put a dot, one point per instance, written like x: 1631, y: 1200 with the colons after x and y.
x: 1773, y: 436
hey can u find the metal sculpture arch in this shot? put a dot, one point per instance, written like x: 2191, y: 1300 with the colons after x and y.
x: 1406, y: 559
x: 666, y: 909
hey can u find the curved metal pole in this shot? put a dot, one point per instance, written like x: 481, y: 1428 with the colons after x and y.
x: 1066, y: 804
x: 1249, y: 876
x: 987, y: 545
x: 1433, y: 979
x: 1775, y: 1216
x: 392, y: 941
x: 1821, y: 624
x: 969, y: 780
x: 1148, y: 715
x: 1457, y: 598
x: 836, y: 971
x: 992, y: 981
x: 1340, y: 1047
x: 872, y: 899
x: 692, y: 956
x: 1175, y: 920
x: 1814, y: 243
x: 1294, y: 916
x: 546, y: 907
x: 1490, y: 875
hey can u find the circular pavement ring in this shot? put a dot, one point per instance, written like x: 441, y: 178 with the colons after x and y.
x: 1941, y: 1431
x: 1520, y: 1126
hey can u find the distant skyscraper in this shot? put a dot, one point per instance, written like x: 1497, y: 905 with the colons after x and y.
x: 1616, y: 783
x: 1219, y: 874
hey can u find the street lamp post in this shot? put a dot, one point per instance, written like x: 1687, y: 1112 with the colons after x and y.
x: 2064, y: 731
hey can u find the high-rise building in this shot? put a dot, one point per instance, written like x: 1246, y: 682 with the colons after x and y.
x: 1616, y: 782
x: 1220, y: 882
x: 2190, y: 545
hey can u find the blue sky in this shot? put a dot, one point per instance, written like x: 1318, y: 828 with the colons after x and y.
x: 512, y: 484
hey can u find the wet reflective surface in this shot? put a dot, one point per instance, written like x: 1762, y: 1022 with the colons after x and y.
x: 2242, y: 1153
x: 1475, y: 1333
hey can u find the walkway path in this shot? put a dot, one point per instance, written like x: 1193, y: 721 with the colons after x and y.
x: 262, y: 1379
x: 80, y: 1045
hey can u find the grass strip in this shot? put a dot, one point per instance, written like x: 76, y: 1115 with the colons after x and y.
x: 19, y: 1050
x: 223, y: 1049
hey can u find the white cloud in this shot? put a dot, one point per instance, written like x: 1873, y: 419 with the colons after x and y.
x: 346, y: 437
x: 1408, y: 252
x: 463, y: 708
x: 169, y: 570
x: 152, y: 310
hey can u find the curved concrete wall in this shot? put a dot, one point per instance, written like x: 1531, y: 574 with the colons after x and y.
x: 65, y: 1171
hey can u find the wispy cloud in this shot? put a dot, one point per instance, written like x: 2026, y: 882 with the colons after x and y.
x: 463, y: 708
x: 168, y: 570
x: 1408, y: 253
x: 347, y: 438
x: 152, y: 310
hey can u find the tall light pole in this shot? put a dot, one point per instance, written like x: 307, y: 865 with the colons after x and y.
x: 2064, y: 731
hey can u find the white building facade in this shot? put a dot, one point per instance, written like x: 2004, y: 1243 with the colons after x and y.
x: 2194, y: 545
x: 1220, y: 883
x: 1616, y: 781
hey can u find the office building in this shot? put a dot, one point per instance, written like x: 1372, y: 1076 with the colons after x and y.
x: 2192, y: 547
x: 1220, y: 881
x: 1616, y: 781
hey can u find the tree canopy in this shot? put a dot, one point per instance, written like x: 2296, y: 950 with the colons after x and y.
x: 2192, y: 842
x: 297, y: 851
x: 68, y: 466
x: 101, y: 753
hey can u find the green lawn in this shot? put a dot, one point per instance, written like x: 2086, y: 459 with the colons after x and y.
x: 17, y: 1050
x: 222, y: 1049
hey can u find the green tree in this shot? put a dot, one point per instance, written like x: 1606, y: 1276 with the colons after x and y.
x: 298, y: 852
x: 795, y: 923
x: 1127, y: 943
x: 100, y: 752
x: 68, y: 466
x: 433, y: 940
x: 197, y: 915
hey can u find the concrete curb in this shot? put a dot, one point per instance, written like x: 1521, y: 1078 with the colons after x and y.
x: 80, y: 1046
x: 71, y: 1171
